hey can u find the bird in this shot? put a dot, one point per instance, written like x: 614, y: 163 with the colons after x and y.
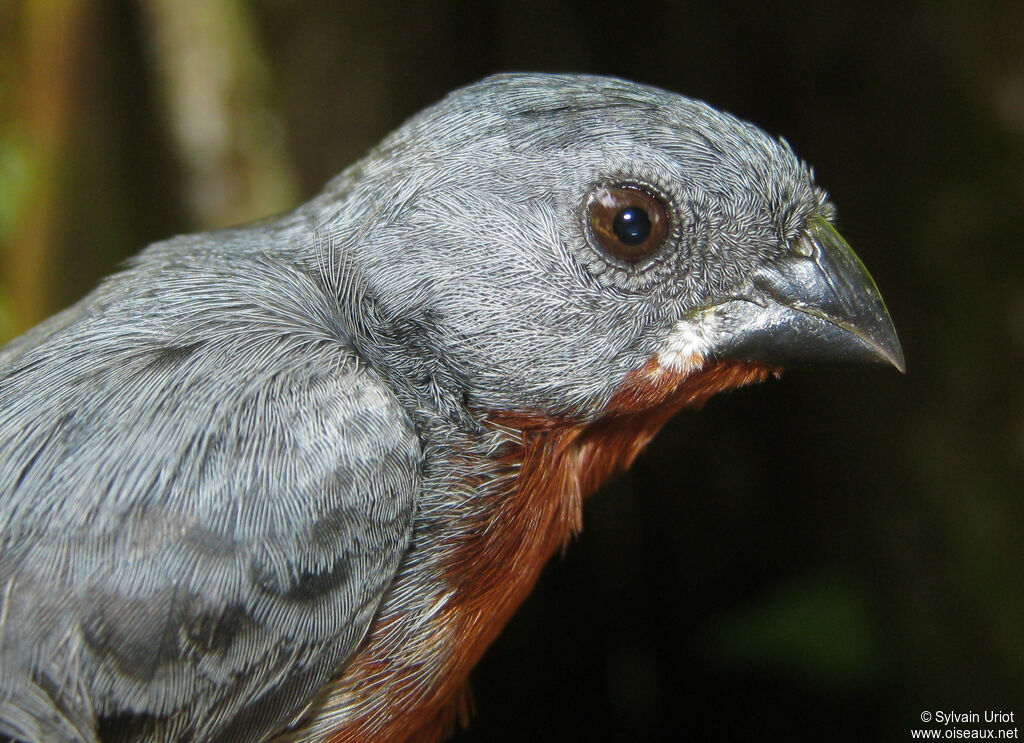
x: 287, y: 481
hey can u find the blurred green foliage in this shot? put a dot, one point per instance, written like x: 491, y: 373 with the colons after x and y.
x: 819, y: 629
x: 14, y: 173
x: 13, y: 176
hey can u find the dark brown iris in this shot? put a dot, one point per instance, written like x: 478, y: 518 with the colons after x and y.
x: 628, y: 222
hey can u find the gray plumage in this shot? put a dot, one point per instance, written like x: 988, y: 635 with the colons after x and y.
x: 214, y: 464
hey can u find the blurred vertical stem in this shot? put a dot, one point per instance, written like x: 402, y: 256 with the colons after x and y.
x: 215, y: 84
x: 48, y: 36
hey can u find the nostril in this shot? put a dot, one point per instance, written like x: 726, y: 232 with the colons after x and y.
x: 803, y: 246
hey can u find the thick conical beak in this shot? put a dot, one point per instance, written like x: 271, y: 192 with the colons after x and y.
x: 816, y: 305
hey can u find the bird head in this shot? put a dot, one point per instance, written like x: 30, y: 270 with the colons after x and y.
x: 539, y: 240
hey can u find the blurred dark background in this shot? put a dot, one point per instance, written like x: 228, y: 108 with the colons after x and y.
x: 821, y: 558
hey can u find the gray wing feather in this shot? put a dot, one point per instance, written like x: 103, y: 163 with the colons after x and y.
x: 203, y: 496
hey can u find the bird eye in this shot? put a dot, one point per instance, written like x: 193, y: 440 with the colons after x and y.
x: 628, y: 222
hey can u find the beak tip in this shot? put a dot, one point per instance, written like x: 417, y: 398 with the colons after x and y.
x: 894, y: 355
x: 880, y: 333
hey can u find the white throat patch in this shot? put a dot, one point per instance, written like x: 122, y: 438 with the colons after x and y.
x: 690, y: 341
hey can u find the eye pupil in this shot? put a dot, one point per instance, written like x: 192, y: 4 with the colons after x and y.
x: 632, y: 226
